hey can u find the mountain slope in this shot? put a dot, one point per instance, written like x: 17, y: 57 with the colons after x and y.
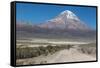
x: 66, y: 20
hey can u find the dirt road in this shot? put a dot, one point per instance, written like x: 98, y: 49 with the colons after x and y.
x: 71, y: 55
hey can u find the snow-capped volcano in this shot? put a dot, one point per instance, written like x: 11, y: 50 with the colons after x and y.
x: 65, y: 20
x: 66, y: 24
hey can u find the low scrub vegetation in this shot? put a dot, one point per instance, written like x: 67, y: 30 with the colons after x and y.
x: 29, y: 52
x: 88, y: 49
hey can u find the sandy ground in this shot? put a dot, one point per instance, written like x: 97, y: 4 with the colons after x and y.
x: 54, y: 43
x: 72, y: 55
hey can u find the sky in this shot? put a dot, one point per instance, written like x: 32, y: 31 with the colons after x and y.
x: 38, y: 13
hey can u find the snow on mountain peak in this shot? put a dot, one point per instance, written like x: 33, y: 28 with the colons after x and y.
x: 65, y: 15
x: 66, y: 11
x: 69, y: 14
